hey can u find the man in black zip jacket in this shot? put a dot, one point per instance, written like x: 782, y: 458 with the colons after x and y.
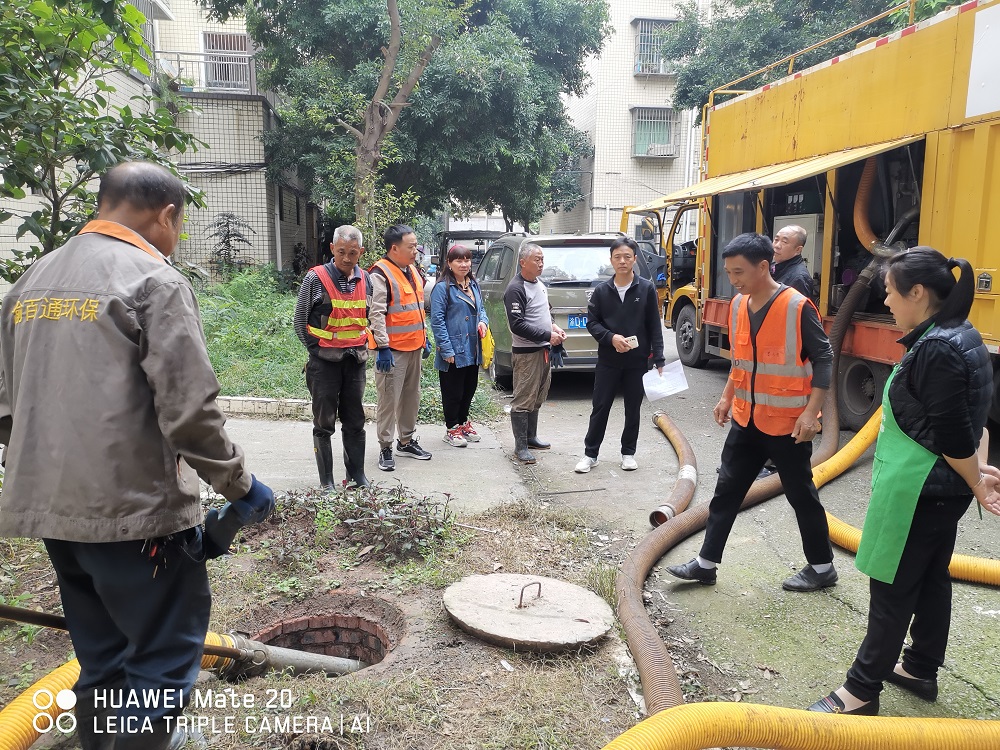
x: 624, y: 317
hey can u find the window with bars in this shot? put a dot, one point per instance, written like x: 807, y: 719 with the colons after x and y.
x: 648, y: 48
x: 146, y: 8
x: 654, y: 132
x: 227, y: 62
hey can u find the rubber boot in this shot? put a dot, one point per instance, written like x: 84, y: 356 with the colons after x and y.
x: 533, y: 441
x: 519, y: 423
x: 324, y: 459
x: 90, y: 718
x: 354, y: 460
x: 163, y: 737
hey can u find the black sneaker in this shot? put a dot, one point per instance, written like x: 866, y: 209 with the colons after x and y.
x: 385, y: 460
x: 412, y: 449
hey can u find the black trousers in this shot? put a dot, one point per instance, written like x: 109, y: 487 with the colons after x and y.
x: 918, y: 600
x: 458, y: 386
x: 607, y: 381
x: 337, y: 390
x: 131, y: 630
x: 743, y: 456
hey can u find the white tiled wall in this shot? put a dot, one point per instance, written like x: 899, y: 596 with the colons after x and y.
x: 618, y: 178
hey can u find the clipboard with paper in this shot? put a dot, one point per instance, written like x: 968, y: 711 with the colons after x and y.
x: 670, y: 382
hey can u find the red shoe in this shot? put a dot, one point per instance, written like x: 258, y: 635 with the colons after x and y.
x: 470, y: 434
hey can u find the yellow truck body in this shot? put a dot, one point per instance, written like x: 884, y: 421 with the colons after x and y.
x: 923, y: 104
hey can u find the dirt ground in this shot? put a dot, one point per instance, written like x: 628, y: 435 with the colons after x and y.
x: 438, y: 687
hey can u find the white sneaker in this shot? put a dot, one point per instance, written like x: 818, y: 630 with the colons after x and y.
x: 585, y: 465
x: 628, y: 463
x: 455, y: 437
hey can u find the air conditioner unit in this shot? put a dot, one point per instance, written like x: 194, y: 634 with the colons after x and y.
x: 661, y: 149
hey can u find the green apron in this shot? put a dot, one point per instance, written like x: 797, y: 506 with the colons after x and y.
x: 899, y: 471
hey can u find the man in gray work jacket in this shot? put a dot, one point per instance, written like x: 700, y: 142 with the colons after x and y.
x: 108, y: 415
x: 533, y: 332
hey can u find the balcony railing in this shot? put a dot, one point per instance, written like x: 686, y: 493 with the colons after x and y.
x: 211, y: 72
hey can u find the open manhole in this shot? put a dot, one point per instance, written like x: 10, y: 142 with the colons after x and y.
x: 349, y: 626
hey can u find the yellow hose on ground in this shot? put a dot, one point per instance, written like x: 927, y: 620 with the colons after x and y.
x: 697, y: 726
x: 17, y: 720
x: 962, y: 568
x: 17, y: 727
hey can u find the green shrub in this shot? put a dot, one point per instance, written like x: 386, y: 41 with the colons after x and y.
x: 385, y: 522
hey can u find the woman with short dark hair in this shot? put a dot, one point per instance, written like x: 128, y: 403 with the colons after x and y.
x: 925, y: 475
x: 459, y: 322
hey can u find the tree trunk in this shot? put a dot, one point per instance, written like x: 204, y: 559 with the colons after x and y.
x: 369, y: 151
x: 380, y: 118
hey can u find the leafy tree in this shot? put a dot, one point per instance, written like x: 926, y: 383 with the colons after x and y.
x: 58, y: 129
x: 484, y: 123
x: 741, y: 36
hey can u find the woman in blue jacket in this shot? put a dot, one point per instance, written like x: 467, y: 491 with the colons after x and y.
x: 459, y: 322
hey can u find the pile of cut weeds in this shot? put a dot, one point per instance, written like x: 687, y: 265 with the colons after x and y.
x: 439, y: 687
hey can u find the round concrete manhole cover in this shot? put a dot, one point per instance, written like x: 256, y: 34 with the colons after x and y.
x: 552, y: 616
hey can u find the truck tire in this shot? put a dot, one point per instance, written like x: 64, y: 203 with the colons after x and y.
x: 690, y: 341
x: 859, y: 391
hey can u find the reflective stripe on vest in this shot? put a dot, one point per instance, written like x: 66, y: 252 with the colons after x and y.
x: 404, y: 316
x: 775, y: 387
x: 344, y: 327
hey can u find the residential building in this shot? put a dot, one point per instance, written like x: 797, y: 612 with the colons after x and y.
x: 644, y: 147
x: 210, y: 65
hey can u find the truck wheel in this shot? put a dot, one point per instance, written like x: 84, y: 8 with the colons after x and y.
x: 690, y: 341
x: 859, y: 391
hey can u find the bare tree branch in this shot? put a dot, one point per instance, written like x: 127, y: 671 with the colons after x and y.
x: 392, y: 55
x: 402, y: 96
x: 350, y: 129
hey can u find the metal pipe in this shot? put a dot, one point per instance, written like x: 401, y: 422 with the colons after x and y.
x: 304, y: 662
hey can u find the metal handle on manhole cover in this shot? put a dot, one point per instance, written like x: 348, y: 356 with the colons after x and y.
x: 520, y: 602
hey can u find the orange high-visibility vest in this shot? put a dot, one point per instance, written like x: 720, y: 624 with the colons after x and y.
x: 404, y: 316
x: 347, y: 323
x: 771, y: 379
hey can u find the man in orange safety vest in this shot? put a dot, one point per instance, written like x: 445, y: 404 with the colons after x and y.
x: 399, y: 333
x: 782, y: 366
x: 331, y: 321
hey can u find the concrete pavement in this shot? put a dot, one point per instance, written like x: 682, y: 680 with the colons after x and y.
x: 477, y: 477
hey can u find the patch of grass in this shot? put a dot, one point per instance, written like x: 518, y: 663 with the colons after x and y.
x: 601, y: 580
x: 251, y: 342
x: 254, y: 350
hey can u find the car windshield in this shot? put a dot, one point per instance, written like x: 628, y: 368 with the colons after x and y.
x: 566, y: 264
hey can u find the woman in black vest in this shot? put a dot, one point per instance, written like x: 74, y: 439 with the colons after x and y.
x: 924, y: 477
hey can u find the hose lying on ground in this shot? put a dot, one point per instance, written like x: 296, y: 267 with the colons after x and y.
x: 17, y: 719
x: 229, y: 656
x: 706, y: 725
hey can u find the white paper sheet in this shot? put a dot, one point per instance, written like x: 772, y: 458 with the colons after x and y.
x: 660, y: 386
